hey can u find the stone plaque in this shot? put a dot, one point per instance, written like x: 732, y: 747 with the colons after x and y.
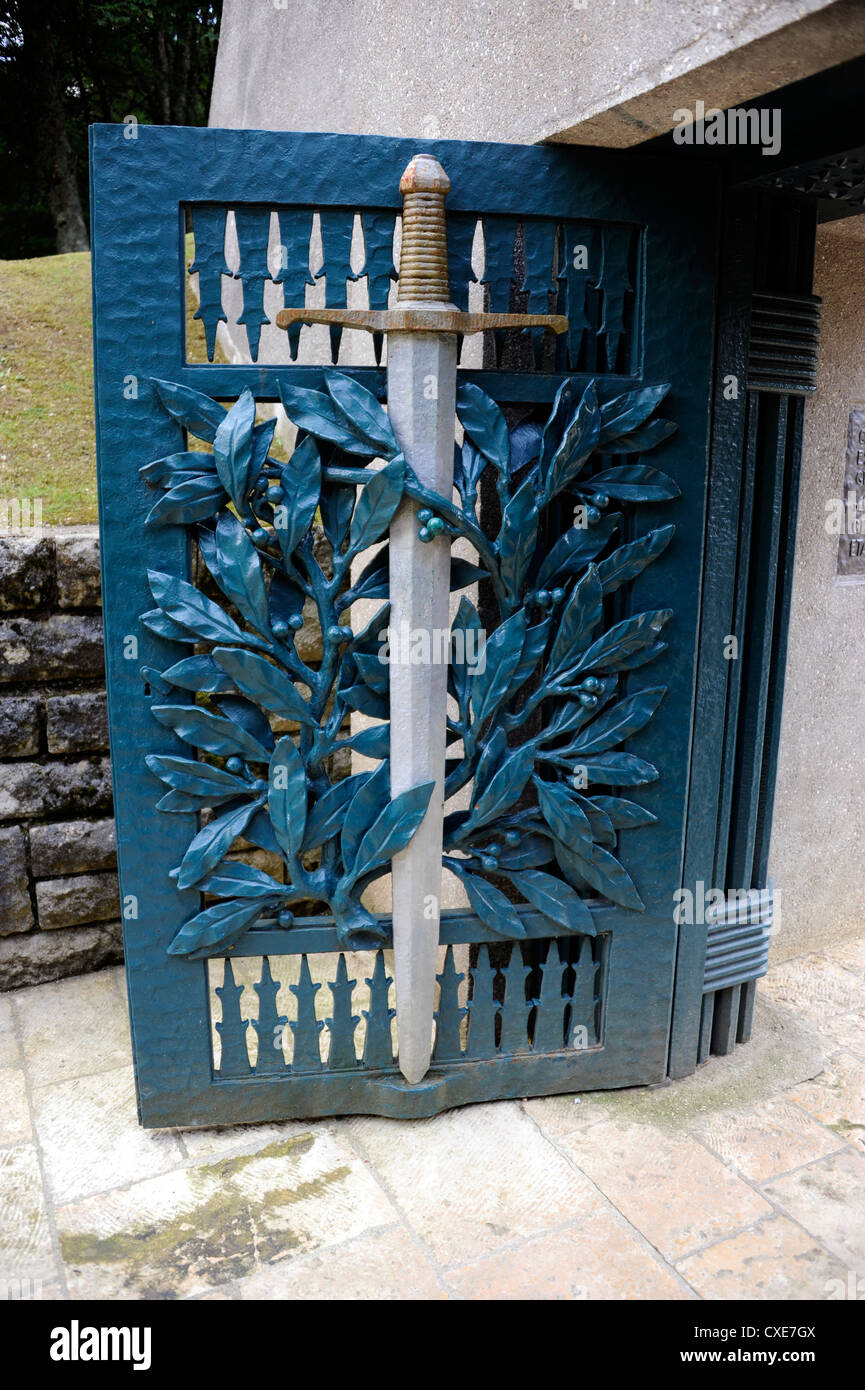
x: 851, y: 541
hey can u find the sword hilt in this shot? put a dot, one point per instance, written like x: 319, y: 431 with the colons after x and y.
x: 423, y: 260
x: 423, y: 273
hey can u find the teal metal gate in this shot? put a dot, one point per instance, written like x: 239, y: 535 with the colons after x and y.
x: 251, y: 768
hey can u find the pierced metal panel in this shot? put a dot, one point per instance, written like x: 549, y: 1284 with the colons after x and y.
x: 838, y: 183
x: 304, y: 1014
x: 350, y: 257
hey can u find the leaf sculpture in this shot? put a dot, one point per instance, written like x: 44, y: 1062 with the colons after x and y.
x: 252, y: 517
x: 534, y: 699
x: 531, y: 824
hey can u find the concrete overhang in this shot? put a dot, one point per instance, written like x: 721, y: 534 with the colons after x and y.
x: 723, y: 68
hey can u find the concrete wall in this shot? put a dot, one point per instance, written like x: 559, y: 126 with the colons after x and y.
x: 817, y: 854
x: 609, y: 72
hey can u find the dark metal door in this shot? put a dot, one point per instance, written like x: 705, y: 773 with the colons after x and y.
x: 559, y: 975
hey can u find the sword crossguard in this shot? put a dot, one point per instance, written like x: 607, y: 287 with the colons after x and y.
x: 423, y: 288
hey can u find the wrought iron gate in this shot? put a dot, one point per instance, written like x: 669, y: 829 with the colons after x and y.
x: 259, y: 979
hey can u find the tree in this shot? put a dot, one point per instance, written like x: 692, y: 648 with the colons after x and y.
x: 43, y: 59
x: 67, y: 63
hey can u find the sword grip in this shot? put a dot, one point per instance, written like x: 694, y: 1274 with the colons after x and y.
x: 423, y: 265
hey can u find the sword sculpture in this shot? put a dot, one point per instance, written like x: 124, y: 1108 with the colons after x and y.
x: 421, y: 398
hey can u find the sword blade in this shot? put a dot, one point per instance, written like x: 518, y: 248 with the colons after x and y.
x: 421, y: 401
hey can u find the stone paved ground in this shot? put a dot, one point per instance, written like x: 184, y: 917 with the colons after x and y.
x: 744, y: 1181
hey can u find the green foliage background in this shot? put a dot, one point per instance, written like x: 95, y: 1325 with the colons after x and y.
x: 82, y: 62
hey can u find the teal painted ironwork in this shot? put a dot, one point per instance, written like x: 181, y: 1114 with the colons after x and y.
x: 450, y: 1013
x: 582, y: 874
x: 343, y: 1023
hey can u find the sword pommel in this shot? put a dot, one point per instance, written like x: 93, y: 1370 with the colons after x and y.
x: 423, y: 263
x: 424, y: 174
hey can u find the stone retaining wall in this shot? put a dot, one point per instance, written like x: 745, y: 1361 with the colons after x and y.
x: 59, y: 905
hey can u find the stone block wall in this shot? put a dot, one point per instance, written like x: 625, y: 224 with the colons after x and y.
x: 59, y: 905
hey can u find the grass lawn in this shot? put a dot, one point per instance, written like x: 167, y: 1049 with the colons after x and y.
x: 46, y: 385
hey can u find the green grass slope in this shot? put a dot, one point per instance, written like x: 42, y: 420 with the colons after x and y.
x: 47, y: 445
x: 46, y: 386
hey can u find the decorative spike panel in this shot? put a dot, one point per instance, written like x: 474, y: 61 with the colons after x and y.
x: 523, y: 1000
x: 249, y: 263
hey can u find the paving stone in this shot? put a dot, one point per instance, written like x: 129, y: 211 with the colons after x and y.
x: 70, y: 847
x: 77, y: 723
x: 84, y: 898
x: 772, y: 1138
x: 10, y: 1055
x: 193, y: 1230
x: 73, y: 1027
x: 828, y: 1199
x: 19, y: 725
x: 26, y: 1251
x: 40, y: 956
x: 666, y: 1184
x: 26, y: 570
x: 776, y: 1259
x: 849, y: 954
x: 78, y: 579
x: 598, y: 1257
x: 231, y: 1140
x: 473, y: 1180
x: 91, y: 1139
x: 47, y: 1291
x: 16, y: 909
x: 816, y: 986
x: 57, y: 646
x: 386, y: 1265
x: 14, y: 1110
x: 560, y: 1115
x: 844, y: 1031
x: 30, y: 790
x: 837, y: 1097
